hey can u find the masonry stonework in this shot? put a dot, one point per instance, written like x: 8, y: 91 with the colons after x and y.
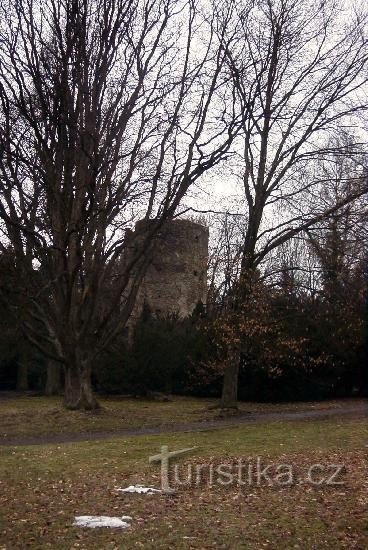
x: 176, y: 279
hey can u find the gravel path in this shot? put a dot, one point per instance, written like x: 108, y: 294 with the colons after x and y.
x: 358, y: 410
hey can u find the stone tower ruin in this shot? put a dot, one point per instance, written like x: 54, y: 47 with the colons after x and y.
x: 176, y: 279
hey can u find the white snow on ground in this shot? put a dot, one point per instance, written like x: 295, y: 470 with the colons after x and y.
x: 139, y: 489
x: 102, y: 521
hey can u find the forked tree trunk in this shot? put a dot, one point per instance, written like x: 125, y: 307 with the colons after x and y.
x: 78, y: 389
x: 53, y: 380
x: 229, y: 398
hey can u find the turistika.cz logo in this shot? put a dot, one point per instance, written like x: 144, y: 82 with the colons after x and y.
x: 241, y: 473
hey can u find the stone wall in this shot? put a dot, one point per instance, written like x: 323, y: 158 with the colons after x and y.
x: 176, y: 279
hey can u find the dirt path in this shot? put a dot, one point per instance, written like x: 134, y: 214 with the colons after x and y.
x: 358, y: 410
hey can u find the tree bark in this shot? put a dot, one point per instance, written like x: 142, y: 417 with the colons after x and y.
x: 78, y: 388
x: 229, y: 398
x: 53, y: 381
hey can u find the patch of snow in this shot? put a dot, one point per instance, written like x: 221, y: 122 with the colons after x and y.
x: 140, y: 489
x: 102, y: 521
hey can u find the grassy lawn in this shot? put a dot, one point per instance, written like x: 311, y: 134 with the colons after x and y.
x: 32, y: 416
x: 44, y: 487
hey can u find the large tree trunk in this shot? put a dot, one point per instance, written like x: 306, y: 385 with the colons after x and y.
x: 229, y: 398
x: 78, y: 388
x: 22, y: 376
x: 241, y: 293
x: 53, y: 381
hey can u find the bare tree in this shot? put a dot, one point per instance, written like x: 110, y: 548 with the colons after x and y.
x: 110, y: 110
x: 336, y: 243
x: 300, y: 69
x: 223, y: 261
